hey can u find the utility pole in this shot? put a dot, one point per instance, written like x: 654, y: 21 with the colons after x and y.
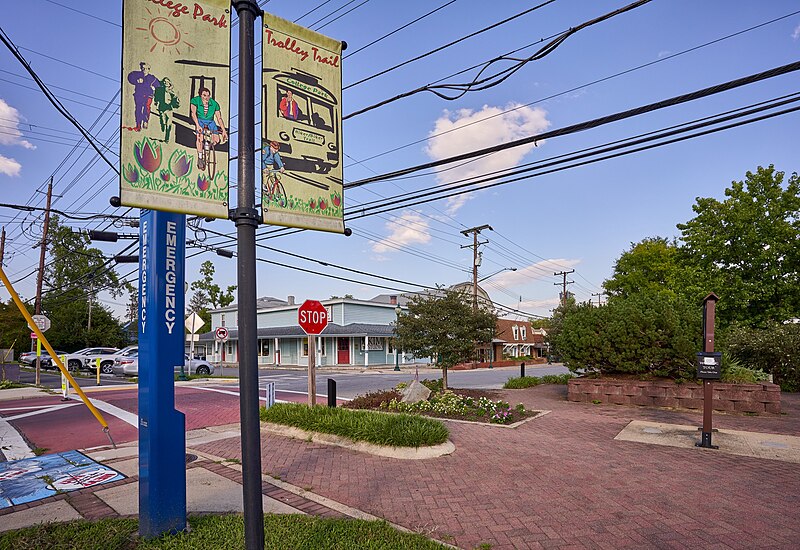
x: 2, y: 245
x: 475, y: 263
x: 598, y: 294
x: 39, y: 279
x: 91, y: 298
x: 564, y: 285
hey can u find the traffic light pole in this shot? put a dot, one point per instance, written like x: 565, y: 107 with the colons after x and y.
x: 246, y: 218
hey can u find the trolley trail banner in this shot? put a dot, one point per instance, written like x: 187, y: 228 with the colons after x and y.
x: 175, y: 106
x: 301, y: 140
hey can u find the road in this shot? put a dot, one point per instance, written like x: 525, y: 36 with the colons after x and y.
x: 51, y: 379
x: 51, y: 424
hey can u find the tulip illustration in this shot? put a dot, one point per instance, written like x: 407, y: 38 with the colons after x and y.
x: 312, y: 204
x: 179, y: 164
x: 147, y: 154
x: 336, y: 199
x: 202, y: 182
x: 130, y: 174
x: 322, y: 204
x: 164, y: 175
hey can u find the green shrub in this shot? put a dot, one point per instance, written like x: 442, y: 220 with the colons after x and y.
x: 647, y: 333
x: 561, y: 379
x: 519, y: 383
x: 433, y: 385
x: 397, y: 430
x: 774, y: 349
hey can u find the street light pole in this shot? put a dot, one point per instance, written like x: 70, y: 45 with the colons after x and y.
x: 397, y: 312
x: 246, y: 218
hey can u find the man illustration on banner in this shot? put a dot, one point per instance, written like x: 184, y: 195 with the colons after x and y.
x: 207, y: 115
x: 144, y: 86
x: 288, y: 106
x: 166, y: 100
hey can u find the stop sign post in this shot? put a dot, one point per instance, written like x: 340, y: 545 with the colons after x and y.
x: 312, y: 318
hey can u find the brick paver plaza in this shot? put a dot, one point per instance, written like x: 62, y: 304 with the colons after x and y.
x: 563, y: 481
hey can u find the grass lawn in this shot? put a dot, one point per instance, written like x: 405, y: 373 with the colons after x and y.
x: 283, y: 532
x: 397, y: 430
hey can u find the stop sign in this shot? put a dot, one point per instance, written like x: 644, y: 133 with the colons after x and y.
x: 312, y: 317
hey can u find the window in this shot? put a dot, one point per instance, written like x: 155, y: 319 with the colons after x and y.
x: 263, y: 348
x: 229, y: 350
x: 515, y: 330
x: 320, y: 346
x: 523, y: 332
x: 375, y: 344
x: 390, y: 345
x: 222, y: 320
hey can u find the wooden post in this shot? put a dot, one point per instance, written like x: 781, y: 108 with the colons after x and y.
x: 312, y: 378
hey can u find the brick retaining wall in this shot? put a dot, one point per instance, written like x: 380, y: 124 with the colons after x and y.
x: 755, y: 398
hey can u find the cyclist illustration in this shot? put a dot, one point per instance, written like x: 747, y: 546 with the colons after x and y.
x: 272, y: 187
x: 209, y: 126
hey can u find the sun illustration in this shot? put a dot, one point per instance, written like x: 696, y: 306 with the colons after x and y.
x: 165, y: 33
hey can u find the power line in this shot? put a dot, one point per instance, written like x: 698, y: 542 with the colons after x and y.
x: 594, y: 123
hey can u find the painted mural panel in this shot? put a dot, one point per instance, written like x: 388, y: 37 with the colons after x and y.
x: 175, y: 106
x: 301, y: 145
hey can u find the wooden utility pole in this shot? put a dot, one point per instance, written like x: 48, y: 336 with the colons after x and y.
x: 564, y: 285
x: 2, y: 245
x: 598, y: 294
x: 40, y: 278
x: 475, y: 263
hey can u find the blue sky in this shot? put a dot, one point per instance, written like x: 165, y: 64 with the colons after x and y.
x: 581, y: 218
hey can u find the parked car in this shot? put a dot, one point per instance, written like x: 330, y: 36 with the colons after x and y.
x: 27, y: 357
x: 129, y: 365
x: 46, y: 362
x: 85, y: 359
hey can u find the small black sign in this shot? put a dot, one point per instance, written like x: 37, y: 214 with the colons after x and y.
x: 709, y: 365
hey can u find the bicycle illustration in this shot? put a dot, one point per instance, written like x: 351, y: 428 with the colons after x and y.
x: 207, y: 156
x: 272, y: 188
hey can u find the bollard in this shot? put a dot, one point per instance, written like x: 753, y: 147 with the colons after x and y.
x: 331, y: 392
x: 522, y: 370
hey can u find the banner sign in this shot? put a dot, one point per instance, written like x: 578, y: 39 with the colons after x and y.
x: 301, y: 130
x: 175, y: 106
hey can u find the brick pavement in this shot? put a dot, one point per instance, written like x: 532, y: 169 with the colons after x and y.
x: 563, y: 481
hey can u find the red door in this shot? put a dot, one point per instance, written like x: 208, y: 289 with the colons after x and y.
x: 343, y: 351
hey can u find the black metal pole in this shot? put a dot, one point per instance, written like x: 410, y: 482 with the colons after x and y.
x: 331, y: 392
x: 522, y: 370
x: 246, y: 218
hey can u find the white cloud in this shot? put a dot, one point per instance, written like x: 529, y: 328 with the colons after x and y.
x: 539, y: 270
x: 664, y: 53
x: 9, y: 167
x: 796, y: 33
x: 9, y: 127
x: 408, y: 228
x: 502, y: 127
x: 526, y: 305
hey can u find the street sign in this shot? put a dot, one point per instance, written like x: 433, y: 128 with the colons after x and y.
x: 194, y: 323
x: 221, y: 333
x: 41, y: 321
x: 33, y: 336
x: 312, y: 317
x: 709, y: 365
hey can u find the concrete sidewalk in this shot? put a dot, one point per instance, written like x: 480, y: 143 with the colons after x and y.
x: 213, y: 485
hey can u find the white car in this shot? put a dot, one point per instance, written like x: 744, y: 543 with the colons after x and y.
x: 129, y: 366
x: 86, y: 359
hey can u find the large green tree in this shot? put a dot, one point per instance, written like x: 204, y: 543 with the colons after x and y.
x: 748, y: 245
x: 74, y: 276
x: 208, y: 294
x: 14, y: 330
x: 444, y: 325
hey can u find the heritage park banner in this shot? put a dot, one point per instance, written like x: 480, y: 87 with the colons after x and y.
x: 301, y: 133
x: 175, y: 106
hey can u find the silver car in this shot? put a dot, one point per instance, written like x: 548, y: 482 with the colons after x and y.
x: 129, y: 366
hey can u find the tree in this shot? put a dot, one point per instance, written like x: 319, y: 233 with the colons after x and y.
x: 208, y: 294
x: 652, y: 264
x: 748, y: 246
x: 646, y: 333
x: 444, y: 325
x: 14, y: 330
x: 76, y: 274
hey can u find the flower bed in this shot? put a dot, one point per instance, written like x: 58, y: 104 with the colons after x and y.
x: 749, y: 398
x: 457, y: 404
